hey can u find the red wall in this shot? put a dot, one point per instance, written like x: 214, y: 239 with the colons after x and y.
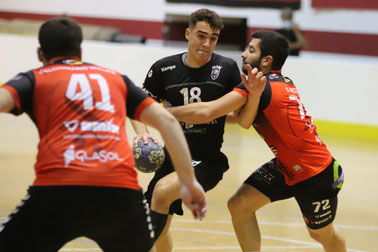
x: 319, y: 41
x: 346, y: 4
x: 337, y: 42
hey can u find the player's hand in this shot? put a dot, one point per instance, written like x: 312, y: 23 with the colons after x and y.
x: 255, y: 83
x: 145, y: 136
x: 193, y: 196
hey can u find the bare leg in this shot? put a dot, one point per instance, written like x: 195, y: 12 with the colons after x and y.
x: 153, y: 249
x: 164, y: 243
x: 330, y: 238
x: 242, y: 206
x: 166, y: 191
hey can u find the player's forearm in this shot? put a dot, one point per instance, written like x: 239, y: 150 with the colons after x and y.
x: 231, y: 118
x: 203, y: 112
x: 177, y: 147
x: 192, y: 113
x: 138, y: 127
x: 247, y: 114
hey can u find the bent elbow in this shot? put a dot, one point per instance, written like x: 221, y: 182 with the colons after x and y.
x: 245, y: 126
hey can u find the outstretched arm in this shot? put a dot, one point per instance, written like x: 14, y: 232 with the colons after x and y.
x: 7, y: 102
x: 203, y: 112
x: 192, y: 193
x: 255, y: 84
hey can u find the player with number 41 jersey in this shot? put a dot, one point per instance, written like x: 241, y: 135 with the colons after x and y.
x: 85, y: 129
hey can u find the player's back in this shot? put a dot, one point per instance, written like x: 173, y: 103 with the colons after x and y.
x: 80, y: 112
x: 289, y: 131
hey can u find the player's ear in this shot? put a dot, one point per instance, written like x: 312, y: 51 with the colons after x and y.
x: 187, y: 33
x: 267, y: 61
x: 40, y: 54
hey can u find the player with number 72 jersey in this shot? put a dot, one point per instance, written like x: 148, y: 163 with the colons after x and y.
x: 294, y: 141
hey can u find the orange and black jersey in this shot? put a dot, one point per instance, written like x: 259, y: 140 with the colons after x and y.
x: 282, y: 121
x: 80, y: 111
x: 171, y: 80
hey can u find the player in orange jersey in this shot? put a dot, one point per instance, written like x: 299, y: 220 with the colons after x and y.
x: 86, y: 184
x: 303, y: 167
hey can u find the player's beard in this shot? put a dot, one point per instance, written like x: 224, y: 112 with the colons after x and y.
x: 252, y: 64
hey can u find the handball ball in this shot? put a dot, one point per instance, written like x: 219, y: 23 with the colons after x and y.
x: 148, y: 157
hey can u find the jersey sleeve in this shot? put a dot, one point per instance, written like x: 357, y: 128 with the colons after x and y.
x: 235, y: 77
x: 152, y: 83
x: 21, y: 87
x: 137, y: 100
x: 265, y: 96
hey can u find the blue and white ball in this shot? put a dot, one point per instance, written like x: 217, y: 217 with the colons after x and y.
x: 148, y: 157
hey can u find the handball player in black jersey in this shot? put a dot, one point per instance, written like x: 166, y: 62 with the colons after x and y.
x: 194, y: 76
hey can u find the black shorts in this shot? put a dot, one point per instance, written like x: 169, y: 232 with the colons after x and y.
x: 316, y: 196
x: 117, y: 219
x: 208, y: 169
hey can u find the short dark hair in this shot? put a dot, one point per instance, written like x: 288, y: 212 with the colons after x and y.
x: 208, y: 16
x: 273, y: 44
x: 60, y: 36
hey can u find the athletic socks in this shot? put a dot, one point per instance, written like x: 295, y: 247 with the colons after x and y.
x: 158, y: 220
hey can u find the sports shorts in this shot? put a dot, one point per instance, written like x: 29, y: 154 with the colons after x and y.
x: 316, y: 196
x: 117, y: 219
x: 208, y: 169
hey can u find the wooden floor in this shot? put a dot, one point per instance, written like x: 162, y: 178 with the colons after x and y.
x: 281, y: 224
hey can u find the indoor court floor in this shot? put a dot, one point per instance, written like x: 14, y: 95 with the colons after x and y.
x: 281, y: 224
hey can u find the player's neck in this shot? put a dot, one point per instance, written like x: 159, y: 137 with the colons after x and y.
x: 191, y: 61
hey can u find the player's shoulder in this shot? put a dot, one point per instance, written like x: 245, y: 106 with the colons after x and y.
x: 169, y: 60
x: 28, y: 75
x: 278, y: 77
x: 223, y: 60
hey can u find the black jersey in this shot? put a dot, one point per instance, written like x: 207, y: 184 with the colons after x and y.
x: 171, y: 80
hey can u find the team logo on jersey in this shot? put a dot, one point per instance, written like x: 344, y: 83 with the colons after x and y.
x: 150, y: 73
x: 71, y: 125
x: 215, y: 71
x: 149, y: 93
x: 273, y: 76
x: 95, y: 126
x: 195, y: 163
x: 163, y: 69
x: 103, y: 156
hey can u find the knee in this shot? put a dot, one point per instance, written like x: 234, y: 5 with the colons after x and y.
x: 322, y: 235
x: 237, y: 207
x: 160, y: 195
